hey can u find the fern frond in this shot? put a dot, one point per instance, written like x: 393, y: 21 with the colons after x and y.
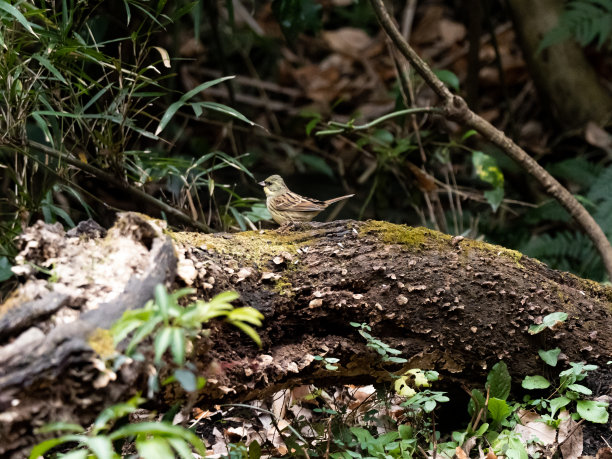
x: 585, y: 20
x: 567, y: 251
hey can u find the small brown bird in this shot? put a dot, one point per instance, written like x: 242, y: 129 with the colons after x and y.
x: 285, y: 206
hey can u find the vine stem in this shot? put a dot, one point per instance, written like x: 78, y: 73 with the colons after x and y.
x: 455, y: 108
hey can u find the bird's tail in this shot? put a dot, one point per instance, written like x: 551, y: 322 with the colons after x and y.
x: 331, y: 201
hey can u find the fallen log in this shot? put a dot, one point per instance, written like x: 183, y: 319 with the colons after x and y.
x: 450, y: 304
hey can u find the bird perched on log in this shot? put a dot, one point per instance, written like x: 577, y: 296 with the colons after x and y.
x: 285, y: 206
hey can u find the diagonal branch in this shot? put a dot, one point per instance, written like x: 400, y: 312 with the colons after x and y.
x: 456, y: 108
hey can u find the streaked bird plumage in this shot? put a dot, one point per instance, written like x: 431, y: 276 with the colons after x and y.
x: 285, y: 206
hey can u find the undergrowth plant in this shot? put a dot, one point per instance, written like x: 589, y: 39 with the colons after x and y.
x: 88, y: 103
x: 162, y: 326
x: 412, y: 432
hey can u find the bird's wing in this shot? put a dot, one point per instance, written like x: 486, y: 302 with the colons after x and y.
x: 295, y: 202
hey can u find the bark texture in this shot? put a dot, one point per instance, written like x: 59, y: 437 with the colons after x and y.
x: 450, y: 304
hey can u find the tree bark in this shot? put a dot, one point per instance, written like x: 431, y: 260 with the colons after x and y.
x: 450, y: 304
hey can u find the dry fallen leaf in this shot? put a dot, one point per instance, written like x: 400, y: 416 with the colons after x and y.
x: 348, y: 40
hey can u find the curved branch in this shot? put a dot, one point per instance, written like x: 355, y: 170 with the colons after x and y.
x: 457, y: 109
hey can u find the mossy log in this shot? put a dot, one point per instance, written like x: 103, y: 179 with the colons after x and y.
x: 450, y: 304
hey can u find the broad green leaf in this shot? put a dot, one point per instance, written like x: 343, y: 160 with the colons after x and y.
x: 551, y: 321
x: 448, y: 77
x: 494, y: 197
x: 498, y: 381
x: 550, y: 356
x: 580, y: 389
x: 498, y: 409
x: 254, y: 450
x: 477, y: 402
x: 535, y: 382
x: 154, y: 448
x: 487, y: 170
x: 557, y: 403
x: 101, y: 446
x: 593, y: 411
x: 187, y: 380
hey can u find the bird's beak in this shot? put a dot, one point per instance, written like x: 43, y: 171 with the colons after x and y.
x: 262, y: 183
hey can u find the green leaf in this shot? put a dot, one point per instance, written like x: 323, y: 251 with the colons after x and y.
x: 254, y: 450
x: 142, y: 332
x: 49, y: 66
x: 535, y: 382
x: 246, y: 314
x: 550, y: 357
x: 448, y: 77
x: 593, y: 411
x: 498, y: 409
x: 315, y: 163
x: 40, y: 449
x: 10, y: 9
x: 173, y: 108
x: 487, y: 170
x: 557, y: 403
x: 177, y: 345
x: 226, y: 110
x: 162, y: 300
x: 101, y: 446
x: 494, y: 198
x: 580, y: 389
x: 498, y: 381
x: 477, y: 402
x: 159, y: 429
x: 76, y: 454
x: 5, y: 269
x: 248, y: 330
x: 181, y: 447
x: 60, y: 426
x: 552, y: 321
x: 162, y: 341
x: 154, y: 448
x: 187, y: 380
